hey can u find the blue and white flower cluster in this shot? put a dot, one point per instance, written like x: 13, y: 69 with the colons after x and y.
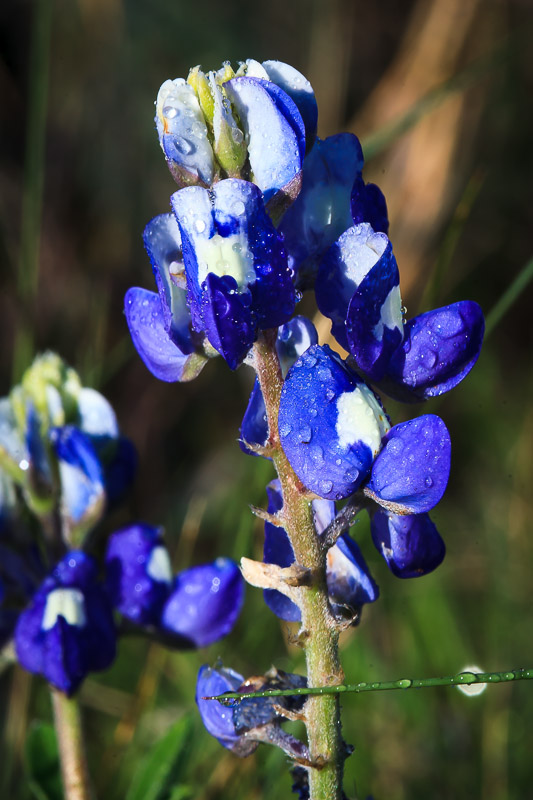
x: 264, y: 211
x: 63, y: 463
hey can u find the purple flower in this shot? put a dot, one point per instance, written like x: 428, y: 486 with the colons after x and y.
x: 67, y: 631
x: 138, y: 573
x: 238, y: 281
x: 337, y: 437
x: 197, y: 606
x: 350, y: 584
x: 204, y: 602
x: 411, y: 545
x: 358, y: 289
x: 333, y: 198
x: 160, y: 324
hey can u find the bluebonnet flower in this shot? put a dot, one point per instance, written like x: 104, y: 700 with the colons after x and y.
x: 350, y: 584
x: 198, y: 606
x: 337, y: 437
x: 411, y: 544
x: 68, y: 629
x: 238, y: 281
x: 214, y: 126
x: 357, y: 287
x: 52, y: 427
x: 333, y: 198
x: 241, y: 726
x: 160, y: 324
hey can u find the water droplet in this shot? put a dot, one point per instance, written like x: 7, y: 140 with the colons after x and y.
x: 362, y: 685
x: 237, y: 135
x: 170, y: 112
x: 24, y: 464
x: 200, y: 226
x: 405, y: 683
x: 326, y: 486
x: 509, y: 676
x: 305, y: 434
x: 285, y: 429
x: 184, y: 147
x: 428, y: 482
x: 317, y: 454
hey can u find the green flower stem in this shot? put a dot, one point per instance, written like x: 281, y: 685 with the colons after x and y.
x: 319, y: 635
x: 461, y: 679
x: 69, y: 732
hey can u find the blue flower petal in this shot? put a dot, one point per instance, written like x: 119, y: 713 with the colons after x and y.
x: 321, y: 211
x: 300, y: 91
x: 217, y: 718
x: 374, y: 322
x: 227, y: 233
x: 205, y: 602
x: 368, y: 205
x: 80, y: 471
x: 344, y: 268
x: 439, y: 349
x: 293, y: 339
x: 411, y: 472
x: 146, y: 322
x: 277, y: 168
x: 330, y: 424
x: 68, y: 629
x: 162, y: 241
x: 228, y: 318
x: 411, y: 545
x: 138, y: 573
x: 350, y: 584
x: 278, y: 550
x: 183, y: 134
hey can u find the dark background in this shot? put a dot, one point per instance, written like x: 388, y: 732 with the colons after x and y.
x: 81, y: 172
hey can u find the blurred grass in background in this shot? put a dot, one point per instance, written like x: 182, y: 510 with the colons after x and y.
x: 439, y: 91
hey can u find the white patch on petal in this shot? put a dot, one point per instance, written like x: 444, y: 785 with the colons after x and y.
x: 391, y: 313
x: 360, y: 418
x: 66, y: 603
x: 226, y: 255
x: 361, y: 251
x: 159, y: 567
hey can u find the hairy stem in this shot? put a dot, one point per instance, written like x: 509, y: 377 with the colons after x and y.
x: 319, y: 635
x: 68, y: 726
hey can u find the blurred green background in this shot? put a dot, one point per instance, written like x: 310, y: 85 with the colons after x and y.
x: 440, y: 93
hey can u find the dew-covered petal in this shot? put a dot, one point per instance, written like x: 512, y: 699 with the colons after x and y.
x: 374, y: 322
x: 67, y: 631
x: 81, y: 477
x: 227, y: 232
x: 218, y: 718
x: 138, y: 573
x: 299, y: 90
x: 205, y: 602
x: 411, y: 472
x: 439, y: 349
x: 330, y: 423
x: 321, y: 212
x: 350, y: 584
x: 228, y: 318
x: 146, y: 322
x: 368, y: 204
x: 183, y: 134
x: 411, y: 545
x: 273, y: 134
x: 162, y: 241
x: 344, y: 267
